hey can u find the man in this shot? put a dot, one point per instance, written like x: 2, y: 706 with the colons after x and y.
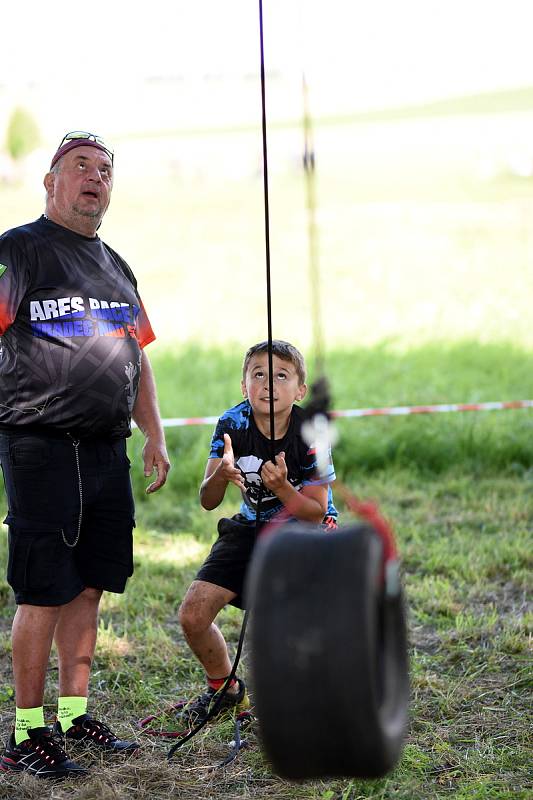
x: 72, y: 374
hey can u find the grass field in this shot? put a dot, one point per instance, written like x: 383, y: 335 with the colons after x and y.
x: 458, y: 490
x: 427, y: 287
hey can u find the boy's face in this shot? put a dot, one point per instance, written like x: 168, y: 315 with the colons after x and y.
x: 287, y: 386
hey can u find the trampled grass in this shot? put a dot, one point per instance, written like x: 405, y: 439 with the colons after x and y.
x: 467, y: 563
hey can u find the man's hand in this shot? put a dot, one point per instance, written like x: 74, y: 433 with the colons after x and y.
x: 155, y: 456
x: 275, y: 475
x: 227, y: 468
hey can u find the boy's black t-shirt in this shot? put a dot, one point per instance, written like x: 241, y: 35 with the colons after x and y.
x: 72, y: 326
x: 251, y: 449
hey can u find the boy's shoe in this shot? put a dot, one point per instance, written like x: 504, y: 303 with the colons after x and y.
x: 197, y: 710
x: 40, y: 755
x: 85, y: 729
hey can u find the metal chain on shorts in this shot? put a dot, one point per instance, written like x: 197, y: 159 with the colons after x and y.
x: 76, y: 444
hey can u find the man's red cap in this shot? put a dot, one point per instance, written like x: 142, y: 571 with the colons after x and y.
x: 71, y: 144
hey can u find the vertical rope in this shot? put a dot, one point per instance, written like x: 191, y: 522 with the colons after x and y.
x: 314, y: 273
x: 319, y: 397
x: 267, y: 239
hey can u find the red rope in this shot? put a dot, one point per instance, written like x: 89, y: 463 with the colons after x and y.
x: 365, y: 509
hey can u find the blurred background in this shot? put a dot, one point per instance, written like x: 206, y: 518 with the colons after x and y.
x: 422, y: 116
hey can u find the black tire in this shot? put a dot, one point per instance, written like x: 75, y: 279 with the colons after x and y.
x: 328, y: 654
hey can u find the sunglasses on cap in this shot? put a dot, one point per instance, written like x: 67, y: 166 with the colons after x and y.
x: 91, y: 137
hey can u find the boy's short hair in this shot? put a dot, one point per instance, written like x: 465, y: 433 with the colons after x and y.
x: 281, y: 349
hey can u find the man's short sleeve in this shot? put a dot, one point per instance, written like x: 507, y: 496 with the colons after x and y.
x: 14, y: 280
x: 145, y: 334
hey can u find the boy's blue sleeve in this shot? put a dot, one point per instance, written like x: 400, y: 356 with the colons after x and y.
x: 231, y: 421
x: 217, y: 440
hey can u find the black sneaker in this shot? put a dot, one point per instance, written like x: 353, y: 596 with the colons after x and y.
x: 40, y: 755
x: 197, y: 710
x: 88, y: 730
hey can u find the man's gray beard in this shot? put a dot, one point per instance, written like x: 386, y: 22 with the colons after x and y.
x: 91, y: 214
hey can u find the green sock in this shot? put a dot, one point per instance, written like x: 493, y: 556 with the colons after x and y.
x: 25, y: 719
x: 68, y: 708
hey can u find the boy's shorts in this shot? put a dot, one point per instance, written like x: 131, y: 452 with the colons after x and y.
x: 45, y: 567
x: 230, y: 555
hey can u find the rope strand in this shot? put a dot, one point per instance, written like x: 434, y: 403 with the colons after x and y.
x: 267, y: 238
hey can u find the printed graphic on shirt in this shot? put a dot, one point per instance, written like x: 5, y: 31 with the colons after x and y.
x: 250, y: 467
x: 72, y: 327
x: 131, y: 373
x: 2, y: 269
x: 65, y: 317
x: 251, y: 450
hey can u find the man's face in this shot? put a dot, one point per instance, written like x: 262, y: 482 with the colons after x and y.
x: 80, y: 191
x: 287, y: 386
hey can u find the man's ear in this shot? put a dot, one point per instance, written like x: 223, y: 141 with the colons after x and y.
x: 48, y: 182
x: 302, y: 391
x: 243, y: 390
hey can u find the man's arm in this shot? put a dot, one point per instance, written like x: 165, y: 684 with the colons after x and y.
x: 146, y: 415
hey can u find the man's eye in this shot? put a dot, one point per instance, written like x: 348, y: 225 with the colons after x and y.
x: 258, y: 375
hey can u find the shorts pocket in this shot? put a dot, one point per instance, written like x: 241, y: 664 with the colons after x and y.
x: 104, y: 558
x: 234, y: 526
x: 29, y: 452
x: 33, y: 554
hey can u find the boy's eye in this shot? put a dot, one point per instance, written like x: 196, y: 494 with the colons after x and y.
x: 281, y: 376
x: 259, y: 374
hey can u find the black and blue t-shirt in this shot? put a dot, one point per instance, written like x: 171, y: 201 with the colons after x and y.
x: 72, y: 326
x: 251, y: 449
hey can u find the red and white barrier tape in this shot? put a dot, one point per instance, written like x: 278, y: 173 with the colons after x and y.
x: 392, y: 411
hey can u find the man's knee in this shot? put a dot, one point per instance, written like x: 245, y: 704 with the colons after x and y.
x: 26, y: 612
x: 87, y: 598
x: 92, y: 595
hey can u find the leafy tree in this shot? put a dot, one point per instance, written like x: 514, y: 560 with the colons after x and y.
x: 22, y: 134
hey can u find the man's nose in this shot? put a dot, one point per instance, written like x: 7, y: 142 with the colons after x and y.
x: 94, y: 174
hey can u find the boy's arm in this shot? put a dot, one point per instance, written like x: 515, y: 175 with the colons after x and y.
x: 310, y: 504
x: 218, y: 473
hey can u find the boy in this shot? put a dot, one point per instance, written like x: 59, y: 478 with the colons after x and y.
x: 240, y: 454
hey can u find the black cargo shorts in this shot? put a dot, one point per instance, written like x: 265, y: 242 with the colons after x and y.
x: 54, y: 552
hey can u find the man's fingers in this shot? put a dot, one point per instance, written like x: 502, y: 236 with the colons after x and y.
x: 158, y: 483
x: 162, y: 467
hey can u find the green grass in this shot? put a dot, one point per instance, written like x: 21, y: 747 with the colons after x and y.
x: 425, y: 260
x: 196, y: 381
x: 423, y: 232
x: 467, y: 565
x: 458, y: 491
